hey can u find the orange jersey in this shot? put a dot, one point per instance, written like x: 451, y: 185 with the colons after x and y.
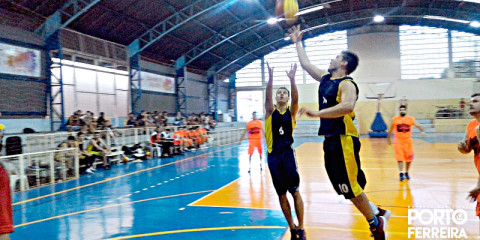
x: 472, y: 138
x: 254, y: 128
x: 177, y: 135
x: 402, y: 127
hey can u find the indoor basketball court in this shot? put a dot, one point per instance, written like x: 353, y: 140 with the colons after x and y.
x: 124, y: 119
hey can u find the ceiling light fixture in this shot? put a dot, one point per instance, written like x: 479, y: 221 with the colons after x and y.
x: 378, y: 18
x: 272, y: 20
x: 446, y: 19
x: 309, y: 10
x: 475, y: 24
x: 473, y: 1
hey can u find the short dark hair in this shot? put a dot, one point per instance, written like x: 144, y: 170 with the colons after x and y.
x: 71, y: 138
x: 403, y: 106
x: 285, y: 89
x: 352, y: 60
x: 80, y: 134
x: 475, y: 95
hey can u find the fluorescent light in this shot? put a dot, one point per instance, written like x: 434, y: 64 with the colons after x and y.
x: 378, y: 18
x: 315, y: 27
x: 446, y: 19
x: 473, y: 1
x: 475, y: 24
x: 309, y: 10
x: 272, y: 20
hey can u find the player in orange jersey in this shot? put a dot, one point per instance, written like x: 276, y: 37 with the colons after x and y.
x: 204, y: 136
x: 471, y: 142
x: 403, y: 144
x: 188, y: 142
x: 178, y: 141
x: 254, y: 129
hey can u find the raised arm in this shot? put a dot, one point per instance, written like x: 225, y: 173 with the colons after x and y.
x: 269, y: 93
x: 296, y: 36
x: 293, y: 85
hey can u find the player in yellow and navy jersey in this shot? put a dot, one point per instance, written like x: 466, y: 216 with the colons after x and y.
x: 279, y: 125
x: 337, y: 96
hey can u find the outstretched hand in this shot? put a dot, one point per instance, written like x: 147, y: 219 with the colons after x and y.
x: 295, y: 34
x: 474, y: 194
x: 270, y: 70
x: 293, y: 70
x: 305, y: 111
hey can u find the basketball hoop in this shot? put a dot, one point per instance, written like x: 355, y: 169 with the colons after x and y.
x: 380, y: 90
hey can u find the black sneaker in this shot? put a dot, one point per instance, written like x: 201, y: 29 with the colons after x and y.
x: 379, y: 233
x: 301, y: 234
x: 402, y: 177
x: 294, y: 234
x: 406, y: 176
x: 384, y: 213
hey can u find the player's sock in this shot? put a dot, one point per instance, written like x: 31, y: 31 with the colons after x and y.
x: 374, y: 208
x: 373, y: 222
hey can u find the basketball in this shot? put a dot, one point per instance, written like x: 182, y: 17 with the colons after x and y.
x: 148, y: 154
x: 125, y: 159
x: 287, y: 9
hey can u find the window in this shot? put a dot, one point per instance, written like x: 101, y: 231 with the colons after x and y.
x: 93, y: 88
x: 322, y: 49
x: 282, y: 60
x: 423, y: 52
x: 466, y: 54
x: 250, y: 75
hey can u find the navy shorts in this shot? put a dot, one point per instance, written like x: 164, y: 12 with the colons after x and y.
x: 283, y: 168
x: 342, y: 162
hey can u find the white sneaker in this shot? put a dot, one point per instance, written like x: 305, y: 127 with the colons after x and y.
x: 93, y: 169
x: 89, y: 170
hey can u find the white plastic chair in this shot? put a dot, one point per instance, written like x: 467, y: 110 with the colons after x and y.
x: 156, y: 150
x: 16, y: 178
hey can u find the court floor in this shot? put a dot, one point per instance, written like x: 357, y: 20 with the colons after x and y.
x: 209, y: 194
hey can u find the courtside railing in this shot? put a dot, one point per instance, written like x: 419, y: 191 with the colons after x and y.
x: 41, y: 168
x: 34, y: 169
x: 224, y: 137
x: 118, y: 137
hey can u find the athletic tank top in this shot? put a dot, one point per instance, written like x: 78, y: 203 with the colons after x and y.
x: 279, y: 131
x: 329, y: 95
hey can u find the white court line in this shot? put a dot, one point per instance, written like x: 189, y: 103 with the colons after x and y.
x: 191, y: 204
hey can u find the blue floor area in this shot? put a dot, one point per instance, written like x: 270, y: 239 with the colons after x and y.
x: 150, y: 198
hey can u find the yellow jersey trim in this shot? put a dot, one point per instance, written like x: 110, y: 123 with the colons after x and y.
x: 350, y: 164
x: 268, y: 133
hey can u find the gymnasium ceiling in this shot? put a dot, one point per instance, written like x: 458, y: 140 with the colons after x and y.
x: 227, y: 34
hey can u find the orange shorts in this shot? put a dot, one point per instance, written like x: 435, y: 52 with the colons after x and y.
x: 478, y: 205
x: 254, y: 143
x: 178, y: 142
x: 403, y: 150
